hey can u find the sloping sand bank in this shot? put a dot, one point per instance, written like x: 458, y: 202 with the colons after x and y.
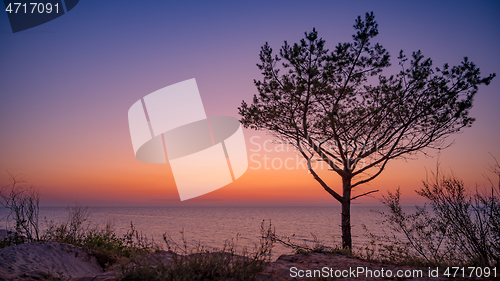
x: 45, y: 261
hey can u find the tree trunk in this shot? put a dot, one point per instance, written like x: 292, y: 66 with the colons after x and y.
x: 346, y: 214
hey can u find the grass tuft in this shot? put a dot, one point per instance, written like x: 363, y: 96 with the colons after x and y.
x: 200, y: 263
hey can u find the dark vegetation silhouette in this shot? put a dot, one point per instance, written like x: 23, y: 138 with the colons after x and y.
x: 461, y: 227
x: 22, y: 200
x: 338, y: 106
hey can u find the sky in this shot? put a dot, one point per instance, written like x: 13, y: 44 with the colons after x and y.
x: 66, y: 87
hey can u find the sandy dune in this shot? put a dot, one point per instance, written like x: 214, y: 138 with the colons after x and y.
x: 47, y: 260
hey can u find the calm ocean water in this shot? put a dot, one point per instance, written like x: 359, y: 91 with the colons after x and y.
x: 211, y: 226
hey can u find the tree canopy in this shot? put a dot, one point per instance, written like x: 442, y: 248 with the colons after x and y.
x: 340, y: 107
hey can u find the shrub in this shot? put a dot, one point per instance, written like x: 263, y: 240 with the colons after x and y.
x: 72, y: 231
x: 462, y: 228
x: 22, y: 200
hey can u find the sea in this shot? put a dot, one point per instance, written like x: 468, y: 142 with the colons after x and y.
x: 211, y: 227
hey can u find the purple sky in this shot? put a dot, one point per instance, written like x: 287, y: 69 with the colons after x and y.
x: 66, y: 85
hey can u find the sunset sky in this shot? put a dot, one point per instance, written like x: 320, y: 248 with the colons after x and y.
x: 66, y: 87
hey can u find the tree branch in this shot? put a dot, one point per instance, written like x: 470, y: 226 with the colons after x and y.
x: 357, y: 196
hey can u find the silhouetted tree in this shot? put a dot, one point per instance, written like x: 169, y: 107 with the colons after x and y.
x: 339, y: 107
